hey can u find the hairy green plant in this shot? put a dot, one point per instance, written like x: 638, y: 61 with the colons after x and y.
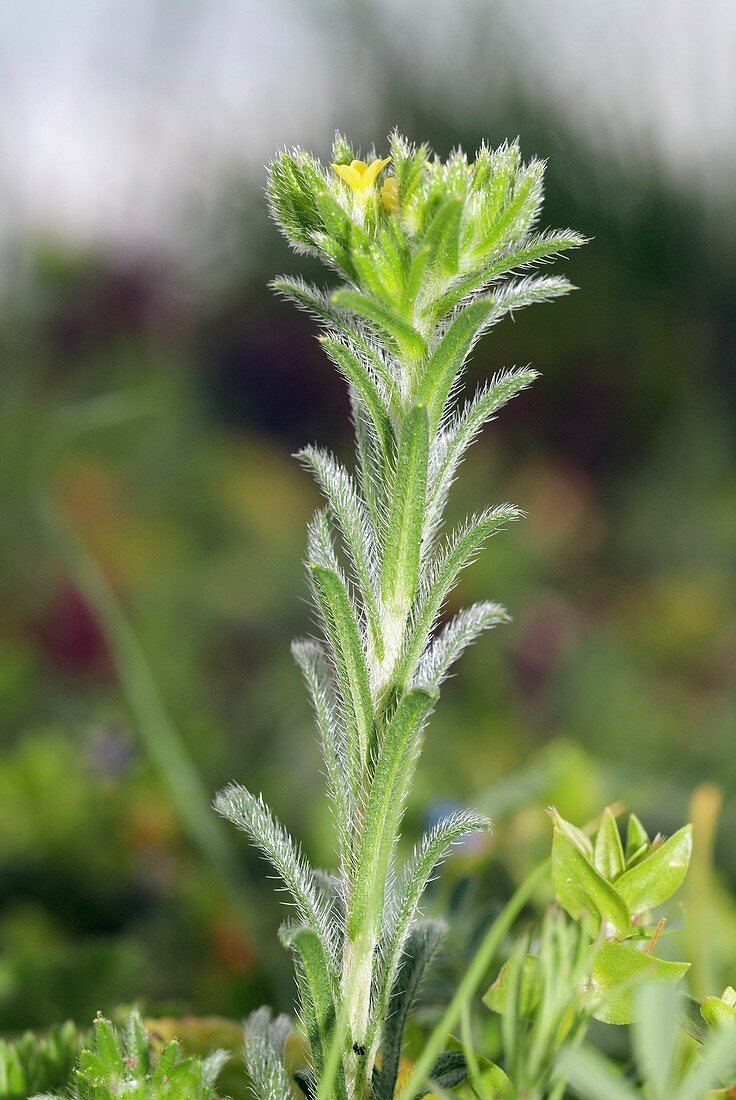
x: 38, y: 1063
x: 427, y: 261
x: 125, y: 1062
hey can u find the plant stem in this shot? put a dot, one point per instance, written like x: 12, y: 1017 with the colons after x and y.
x: 472, y: 979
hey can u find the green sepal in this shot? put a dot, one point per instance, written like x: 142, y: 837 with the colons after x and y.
x: 584, y: 893
x: 400, y: 575
x: 316, y: 997
x: 656, y: 877
x: 617, y: 971
x: 336, y: 222
x: 608, y: 852
x: 342, y: 150
x: 442, y: 237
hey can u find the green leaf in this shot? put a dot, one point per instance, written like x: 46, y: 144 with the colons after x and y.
x: 421, y: 947
x: 459, y: 553
x: 525, y: 998
x: 617, y: 973
x: 465, y: 426
x: 317, y: 1000
x: 655, y: 878
x: 251, y: 814
x: 358, y: 375
x: 386, y: 798
x: 431, y: 849
x: 349, y: 510
x: 637, y: 839
x: 384, y: 320
x: 344, y: 636
x: 400, y: 573
x: 585, y: 894
x: 443, y: 236
x: 448, y: 358
x: 580, y: 839
x: 107, y: 1046
x: 312, y: 660
x: 495, y: 1084
x: 608, y: 857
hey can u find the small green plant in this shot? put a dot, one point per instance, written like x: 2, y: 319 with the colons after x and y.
x: 38, y: 1063
x: 541, y: 996
x: 666, y: 1067
x: 427, y: 259
x: 612, y: 889
x: 590, y: 964
x: 124, y: 1062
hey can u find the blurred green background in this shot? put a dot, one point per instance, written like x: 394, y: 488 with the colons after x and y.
x: 154, y: 522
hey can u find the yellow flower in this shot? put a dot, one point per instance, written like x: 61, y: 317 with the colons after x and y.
x: 390, y: 194
x: 359, y: 175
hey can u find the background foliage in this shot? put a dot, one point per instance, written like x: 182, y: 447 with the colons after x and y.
x: 616, y: 680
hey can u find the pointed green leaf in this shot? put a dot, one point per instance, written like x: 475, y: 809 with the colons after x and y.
x: 317, y: 1000
x: 447, y: 359
x: 585, y: 894
x: 420, y: 949
x: 398, y: 331
x: 349, y: 510
x: 386, y: 798
x: 459, y: 553
x: 107, y: 1046
x: 655, y: 878
x: 442, y: 237
x: 358, y: 375
x: 608, y: 855
x: 400, y: 574
x: 637, y: 839
x: 344, y: 637
x: 580, y: 839
x: 238, y: 805
x: 617, y: 973
x: 526, y: 998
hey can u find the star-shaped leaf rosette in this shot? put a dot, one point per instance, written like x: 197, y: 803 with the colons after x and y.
x: 612, y: 888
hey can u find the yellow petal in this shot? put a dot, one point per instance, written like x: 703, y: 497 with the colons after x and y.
x: 359, y: 166
x: 350, y: 174
x: 390, y: 193
x: 371, y: 172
